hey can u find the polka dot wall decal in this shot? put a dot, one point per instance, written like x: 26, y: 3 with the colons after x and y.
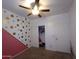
x: 7, y: 18
x: 29, y: 40
x: 25, y: 39
x: 21, y: 30
x: 21, y: 36
x: 12, y: 15
x: 11, y: 27
x: 25, y: 32
x: 28, y: 22
x: 17, y: 19
x: 22, y: 33
x: 26, y: 25
x: 23, y: 27
x: 29, y: 36
x: 29, y: 29
x: 17, y: 24
x: 23, y: 21
x: 14, y: 33
x: 25, y: 18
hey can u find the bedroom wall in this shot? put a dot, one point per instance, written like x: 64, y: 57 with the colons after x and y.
x: 57, y: 32
x: 18, y: 27
x: 72, y: 16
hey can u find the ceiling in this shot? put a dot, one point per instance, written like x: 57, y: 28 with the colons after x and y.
x: 56, y: 7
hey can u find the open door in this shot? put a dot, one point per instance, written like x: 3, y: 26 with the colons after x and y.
x: 41, y: 31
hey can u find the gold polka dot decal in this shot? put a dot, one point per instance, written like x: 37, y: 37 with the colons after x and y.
x: 7, y: 18
x: 11, y: 27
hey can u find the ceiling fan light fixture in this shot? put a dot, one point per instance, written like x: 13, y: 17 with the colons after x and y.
x: 30, y: 1
x: 35, y: 10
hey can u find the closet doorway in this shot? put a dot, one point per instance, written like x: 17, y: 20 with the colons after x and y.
x: 41, y: 31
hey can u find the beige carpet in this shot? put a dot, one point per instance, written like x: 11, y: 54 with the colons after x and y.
x: 39, y: 53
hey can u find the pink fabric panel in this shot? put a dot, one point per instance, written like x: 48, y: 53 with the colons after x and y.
x: 5, y: 46
x: 11, y: 45
x: 5, y: 57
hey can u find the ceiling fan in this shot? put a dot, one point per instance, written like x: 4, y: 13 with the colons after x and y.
x: 35, y: 8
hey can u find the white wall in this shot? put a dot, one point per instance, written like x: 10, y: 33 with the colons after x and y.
x: 72, y: 15
x: 56, y: 32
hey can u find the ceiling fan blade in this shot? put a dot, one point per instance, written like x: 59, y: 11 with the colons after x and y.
x: 39, y: 15
x: 24, y: 7
x: 45, y: 10
x: 37, y: 2
x: 29, y: 14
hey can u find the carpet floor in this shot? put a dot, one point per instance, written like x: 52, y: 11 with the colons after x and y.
x: 39, y: 53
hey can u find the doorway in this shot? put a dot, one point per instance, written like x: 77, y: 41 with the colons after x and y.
x: 41, y: 31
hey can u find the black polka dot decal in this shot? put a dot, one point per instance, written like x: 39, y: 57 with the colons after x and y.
x: 12, y: 15
x: 25, y: 18
x: 29, y: 29
x: 25, y: 39
x: 29, y: 36
x: 17, y: 24
x: 14, y: 33
x: 17, y: 19
x: 29, y: 40
x: 28, y: 22
x: 23, y: 27
x: 21, y: 30
x: 23, y: 21
x: 21, y: 36
x: 25, y: 32
x: 26, y: 25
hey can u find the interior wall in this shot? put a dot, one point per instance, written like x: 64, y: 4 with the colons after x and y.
x: 17, y: 26
x: 56, y: 32
x: 72, y: 16
x: 16, y: 33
